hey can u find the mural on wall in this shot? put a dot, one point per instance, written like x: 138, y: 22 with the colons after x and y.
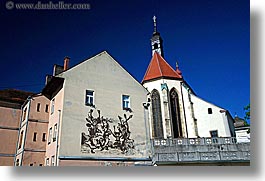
x: 101, y: 136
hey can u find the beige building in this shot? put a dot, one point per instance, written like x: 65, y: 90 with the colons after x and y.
x: 31, y: 145
x: 97, y: 116
x: 10, y: 112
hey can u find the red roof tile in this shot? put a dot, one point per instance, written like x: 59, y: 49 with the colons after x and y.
x: 158, y: 67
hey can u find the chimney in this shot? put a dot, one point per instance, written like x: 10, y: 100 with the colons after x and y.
x: 48, y: 79
x: 66, y: 63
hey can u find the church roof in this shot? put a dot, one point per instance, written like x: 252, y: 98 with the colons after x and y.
x: 159, y: 68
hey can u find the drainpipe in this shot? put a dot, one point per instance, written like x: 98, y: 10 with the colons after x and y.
x: 57, y: 138
x: 181, y: 83
x: 147, y: 128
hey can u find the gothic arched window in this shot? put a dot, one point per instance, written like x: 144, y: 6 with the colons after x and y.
x: 175, y: 114
x: 156, y: 115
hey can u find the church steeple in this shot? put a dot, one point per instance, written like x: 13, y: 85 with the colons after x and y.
x: 156, y: 40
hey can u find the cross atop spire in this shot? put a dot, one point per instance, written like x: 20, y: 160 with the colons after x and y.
x: 155, y: 29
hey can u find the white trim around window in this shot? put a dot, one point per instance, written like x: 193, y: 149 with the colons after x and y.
x: 90, y: 98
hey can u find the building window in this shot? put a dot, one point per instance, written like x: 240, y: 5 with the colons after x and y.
x: 38, y: 107
x: 125, y: 102
x: 43, y: 137
x: 157, y: 128
x: 31, y: 164
x: 175, y: 114
x: 35, y: 136
x: 24, y: 113
x: 41, y: 165
x: 17, y: 162
x: 210, y: 111
x: 50, y: 135
x: 214, y: 134
x: 156, y: 46
x: 47, y: 108
x: 55, y: 132
x: 20, y: 139
x: 47, y: 162
x: 52, y: 108
x: 52, y: 161
x: 89, y: 98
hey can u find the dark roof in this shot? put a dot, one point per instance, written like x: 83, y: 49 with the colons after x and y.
x: 13, y: 98
x: 53, y: 87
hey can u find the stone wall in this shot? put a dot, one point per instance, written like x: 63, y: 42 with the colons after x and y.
x: 200, y: 150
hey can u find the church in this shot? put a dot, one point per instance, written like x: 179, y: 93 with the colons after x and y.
x: 99, y: 115
x: 176, y: 112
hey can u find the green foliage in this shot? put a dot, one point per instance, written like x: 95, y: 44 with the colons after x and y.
x: 247, y: 112
x: 246, y: 124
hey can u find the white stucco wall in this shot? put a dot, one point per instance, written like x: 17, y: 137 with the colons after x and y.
x: 109, y: 81
x: 192, y: 108
x: 189, y: 114
x: 243, y: 135
x: 156, y: 84
x: 210, y: 122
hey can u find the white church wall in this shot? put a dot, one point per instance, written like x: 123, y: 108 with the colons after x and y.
x: 216, y: 121
x: 151, y: 86
x: 194, y: 112
x: 189, y: 114
x: 156, y: 84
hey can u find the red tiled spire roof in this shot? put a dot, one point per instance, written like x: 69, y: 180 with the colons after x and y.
x: 158, y: 67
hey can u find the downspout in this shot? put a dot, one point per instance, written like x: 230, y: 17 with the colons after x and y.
x: 57, y: 139
x: 184, y: 109
x: 147, y: 128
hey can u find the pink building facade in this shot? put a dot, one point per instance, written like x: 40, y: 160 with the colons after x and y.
x: 31, y: 145
x: 10, y: 113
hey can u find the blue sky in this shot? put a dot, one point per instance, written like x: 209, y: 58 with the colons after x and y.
x: 209, y: 39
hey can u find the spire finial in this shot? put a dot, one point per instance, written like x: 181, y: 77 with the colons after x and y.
x: 177, y: 69
x: 177, y: 65
x: 154, y: 18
